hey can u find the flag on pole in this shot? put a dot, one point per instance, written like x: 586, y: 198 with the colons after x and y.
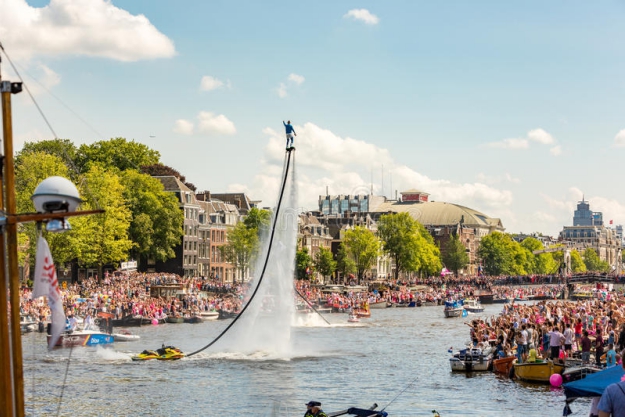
x: 611, y: 221
x: 47, y: 284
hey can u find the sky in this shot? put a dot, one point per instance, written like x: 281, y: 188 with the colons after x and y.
x: 514, y: 109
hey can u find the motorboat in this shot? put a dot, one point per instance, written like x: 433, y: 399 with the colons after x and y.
x: 472, y: 359
x: 378, y: 304
x: 27, y: 323
x: 539, y: 371
x: 193, y: 319
x: 174, y: 320
x: 164, y: 353
x: 353, y: 318
x: 454, y: 308
x: 83, y: 338
x: 576, y: 373
x: 473, y: 305
x: 125, y: 336
x: 504, y: 365
x: 209, y: 315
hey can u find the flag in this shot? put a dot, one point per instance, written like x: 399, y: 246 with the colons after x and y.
x: 611, y: 221
x: 47, y: 284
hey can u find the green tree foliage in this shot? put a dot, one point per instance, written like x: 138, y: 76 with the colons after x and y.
x: 303, y: 262
x: 344, y: 264
x: 64, y: 149
x: 31, y: 168
x: 502, y: 255
x: 542, y: 263
x: 400, y: 239
x: 118, y: 153
x: 102, y: 239
x: 241, y: 248
x: 577, y: 262
x: 156, y: 222
x: 324, y: 262
x: 593, y: 262
x: 363, y: 247
x: 455, y: 256
x: 160, y: 170
x: 429, y: 254
x: 258, y: 219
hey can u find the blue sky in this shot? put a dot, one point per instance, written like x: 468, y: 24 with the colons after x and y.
x: 515, y: 109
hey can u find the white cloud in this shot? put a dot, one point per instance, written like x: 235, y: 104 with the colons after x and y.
x: 183, y: 127
x: 211, y: 123
x: 619, y: 139
x: 297, y: 79
x: 209, y: 83
x: 534, y: 135
x: 540, y: 136
x: 509, y: 144
x: 80, y: 27
x: 282, y: 93
x: 293, y: 79
x: 556, y: 150
x: 346, y: 166
x: 363, y: 15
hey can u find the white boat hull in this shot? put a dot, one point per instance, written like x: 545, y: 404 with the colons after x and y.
x: 453, y: 312
x: 458, y: 365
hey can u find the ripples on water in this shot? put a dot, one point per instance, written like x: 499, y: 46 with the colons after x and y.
x: 341, y: 365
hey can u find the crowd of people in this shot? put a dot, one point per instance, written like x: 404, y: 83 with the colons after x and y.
x: 556, y: 330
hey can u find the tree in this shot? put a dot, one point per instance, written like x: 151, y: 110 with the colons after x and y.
x: 241, y: 248
x: 324, y: 262
x: 593, y: 262
x: 542, y: 263
x: 363, y: 247
x: 344, y: 265
x: 399, y: 235
x: 496, y: 254
x: 258, y: 219
x: 102, y: 239
x: 160, y: 170
x: 63, y: 149
x: 119, y: 153
x: 303, y: 263
x: 455, y: 256
x: 577, y: 263
x: 31, y: 168
x: 156, y: 222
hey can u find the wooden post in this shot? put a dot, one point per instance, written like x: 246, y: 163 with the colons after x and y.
x: 11, y: 251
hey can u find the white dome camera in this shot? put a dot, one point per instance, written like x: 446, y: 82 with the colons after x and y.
x: 56, y: 194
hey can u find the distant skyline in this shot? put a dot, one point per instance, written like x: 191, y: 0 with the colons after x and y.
x: 513, y: 109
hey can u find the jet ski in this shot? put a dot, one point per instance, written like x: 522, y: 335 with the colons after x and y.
x: 169, y: 353
x: 146, y: 355
x: 165, y: 353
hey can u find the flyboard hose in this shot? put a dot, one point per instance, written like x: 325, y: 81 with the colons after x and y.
x: 260, y: 280
x: 309, y: 304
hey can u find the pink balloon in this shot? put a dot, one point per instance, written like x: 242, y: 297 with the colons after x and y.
x: 555, y: 380
x: 154, y: 321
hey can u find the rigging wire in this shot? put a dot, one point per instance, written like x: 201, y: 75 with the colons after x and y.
x: 400, y: 393
x: 69, y: 360
x: 309, y: 304
x: 262, y: 274
x: 68, y: 160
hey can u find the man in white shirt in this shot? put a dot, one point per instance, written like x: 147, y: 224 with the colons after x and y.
x: 569, y: 335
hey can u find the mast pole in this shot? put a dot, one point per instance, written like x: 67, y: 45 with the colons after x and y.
x: 6, y: 380
x: 6, y: 89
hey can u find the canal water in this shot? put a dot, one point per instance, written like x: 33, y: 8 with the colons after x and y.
x: 397, y: 358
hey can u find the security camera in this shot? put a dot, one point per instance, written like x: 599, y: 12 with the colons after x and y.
x: 56, y: 194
